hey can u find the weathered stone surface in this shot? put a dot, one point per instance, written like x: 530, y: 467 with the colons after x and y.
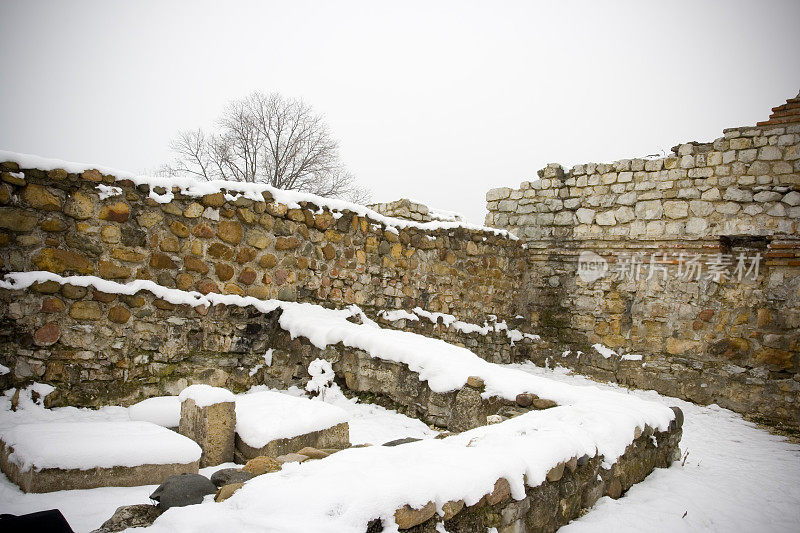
x: 17, y: 219
x: 47, y: 334
x: 83, y: 310
x: 226, y: 491
x: 230, y: 231
x: 116, y: 212
x: 227, y: 476
x: 261, y: 465
x: 61, y: 261
x: 213, y: 427
x: 130, y: 516
x: 39, y: 197
x: 407, y: 517
x: 182, y: 490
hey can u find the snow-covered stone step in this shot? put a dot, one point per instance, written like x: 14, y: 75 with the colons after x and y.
x: 271, y: 423
x: 46, y: 457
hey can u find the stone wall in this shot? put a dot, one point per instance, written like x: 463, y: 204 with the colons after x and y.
x: 569, y: 490
x: 726, y: 334
x: 61, y: 222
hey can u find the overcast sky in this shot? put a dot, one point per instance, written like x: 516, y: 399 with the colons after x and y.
x: 434, y: 101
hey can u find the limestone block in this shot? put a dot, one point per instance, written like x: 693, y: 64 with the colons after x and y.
x: 711, y: 195
x: 701, y: 208
x: 498, y: 194
x: 736, y: 194
x: 606, y: 218
x: 696, y: 226
x: 624, y: 214
x: 213, y: 427
x: 676, y: 209
x: 792, y: 198
x: 649, y: 210
x: 585, y: 216
x: 769, y: 153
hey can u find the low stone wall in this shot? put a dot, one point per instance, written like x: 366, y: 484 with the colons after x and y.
x: 98, y: 348
x: 691, y: 260
x: 569, y: 490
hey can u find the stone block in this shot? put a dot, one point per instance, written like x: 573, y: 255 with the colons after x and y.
x: 212, y: 427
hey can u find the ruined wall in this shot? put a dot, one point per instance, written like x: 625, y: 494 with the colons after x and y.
x: 90, y: 224
x: 667, y: 282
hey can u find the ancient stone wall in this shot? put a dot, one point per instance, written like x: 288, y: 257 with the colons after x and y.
x: 697, y: 268
x: 105, y: 346
x: 230, y: 244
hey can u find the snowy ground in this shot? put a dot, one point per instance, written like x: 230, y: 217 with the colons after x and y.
x: 736, y: 477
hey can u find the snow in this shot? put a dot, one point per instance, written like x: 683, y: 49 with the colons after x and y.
x: 451, y: 321
x: 86, y: 445
x: 736, y: 477
x: 253, y: 191
x: 4, y: 370
x: 445, y: 367
x: 607, y: 352
x: 397, y: 314
x: 322, y: 375
x: 205, y: 395
x: 263, y: 415
x: 107, y: 191
x: 162, y: 410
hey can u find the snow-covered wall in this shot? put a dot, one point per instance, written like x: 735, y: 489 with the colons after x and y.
x: 226, y: 238
x: 690, y: 260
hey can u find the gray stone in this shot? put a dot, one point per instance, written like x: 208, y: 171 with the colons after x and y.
x: 398, y: 442
x: 230, y: 475
x: 182, y: 490
x: 792, y: 198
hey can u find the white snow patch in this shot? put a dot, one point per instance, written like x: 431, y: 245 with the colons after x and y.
x: 86, y: 445
x: 4, y: 370
x: 162, y: 410
x: 205, y: 395
x: 107, y: 191
x: 264, y: 415
x: 322, y: 375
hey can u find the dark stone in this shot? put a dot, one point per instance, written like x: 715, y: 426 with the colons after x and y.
x: 227, y: 476
x: 375, y: 525
x: 524, y: 399
x: 128, y: 516
x: 678, y: 417
x: 181, y: 490
x: 398, y: 442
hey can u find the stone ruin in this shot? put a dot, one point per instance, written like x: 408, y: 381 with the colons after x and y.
x: 510, y: 292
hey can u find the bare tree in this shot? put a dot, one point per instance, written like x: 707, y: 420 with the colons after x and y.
x: 268, y: 139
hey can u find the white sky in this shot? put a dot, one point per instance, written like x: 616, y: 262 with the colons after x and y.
x: 435, y: 101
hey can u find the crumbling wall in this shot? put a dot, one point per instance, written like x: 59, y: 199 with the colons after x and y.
x: 691, y: 261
